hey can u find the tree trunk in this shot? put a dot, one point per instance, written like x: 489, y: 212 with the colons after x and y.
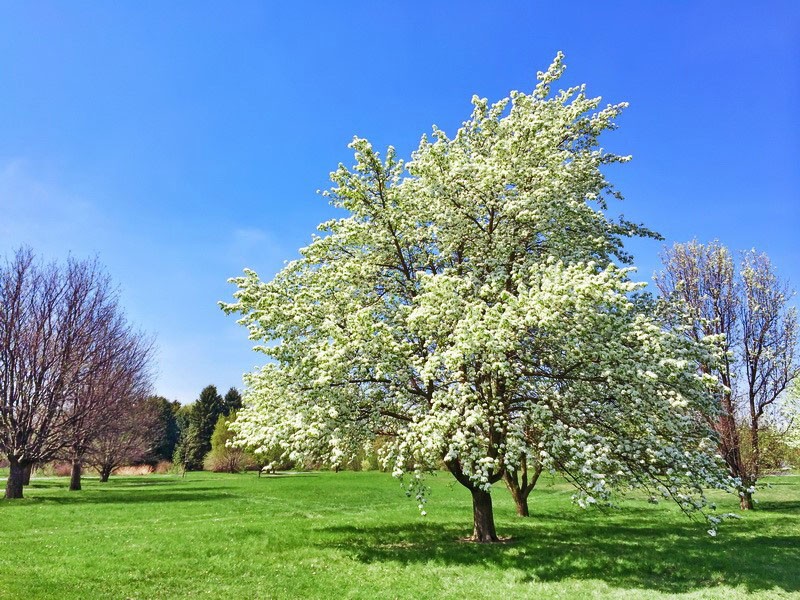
x: 482, y: 514
x: 519, y: 486
x: 483, y: 517
x: 519, y: 496
x: 745, y: 496
x: 26, y: 474
x: 16, y: 477
x: 105, y: 473
x: 756, y: 449
x: 75, y: 478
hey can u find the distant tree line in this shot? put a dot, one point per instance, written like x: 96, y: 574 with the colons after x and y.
x: 76, y: 380
x: 197, y: 422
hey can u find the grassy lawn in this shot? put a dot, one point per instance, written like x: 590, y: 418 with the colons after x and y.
x: 355, y: 535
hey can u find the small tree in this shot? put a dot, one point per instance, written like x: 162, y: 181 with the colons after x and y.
x: 224, y: 458
x: 127, y: 438
x: 168, y: 427
x: 471, y: 294
x: 187, y: 449
x: 116, y: 387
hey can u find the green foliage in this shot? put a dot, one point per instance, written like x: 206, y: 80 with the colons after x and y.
x: 776, y: 453
x: 170, y: 431
x: 196, y: 422
x: 232, y: 402
x: 221, y: 433
x: 354, y: 535
x: 222, y: 458
x: 188, y: 449
x: 206, y: 411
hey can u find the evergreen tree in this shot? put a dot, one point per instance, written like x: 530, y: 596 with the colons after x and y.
x: 169, y: 430
x: 232, y: 402
x: 205, y: 413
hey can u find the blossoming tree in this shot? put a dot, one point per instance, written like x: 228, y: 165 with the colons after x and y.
x: 469, y: 298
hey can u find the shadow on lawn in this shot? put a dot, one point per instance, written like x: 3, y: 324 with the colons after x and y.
x: 287, y: 474
x: 93, y: 483
x: 120, y: 494
x: 635, y: 550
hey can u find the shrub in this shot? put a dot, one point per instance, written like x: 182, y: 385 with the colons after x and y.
x: 222, y: 458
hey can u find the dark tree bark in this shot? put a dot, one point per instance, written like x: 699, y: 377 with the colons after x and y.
x: 746, y: 500
x: 105, y: 473
x: 16, y: 477
x: 520, y: 487
x: 482, y: 513
x: 26, y: 474
x: 483, y: 517
x: 75, y: 477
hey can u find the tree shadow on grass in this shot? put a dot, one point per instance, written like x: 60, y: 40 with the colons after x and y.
x: 93, y: 483
x: 638, y: 550
x: 772, y: 506
x: 287, y: 474
x: 127, y: 496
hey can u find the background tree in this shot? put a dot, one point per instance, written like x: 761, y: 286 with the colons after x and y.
x: 223, y: 458
x: 120, y: 380
x: 186, y: 446
x: 469, y: 295
x: 129, y: 437
x: 168, y: 429
x: 56, y: 349
x: 205, y: 412
x: 747, y: 314
x: 232, y: 402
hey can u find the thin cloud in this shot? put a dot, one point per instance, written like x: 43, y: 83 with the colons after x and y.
x: 39, y: 213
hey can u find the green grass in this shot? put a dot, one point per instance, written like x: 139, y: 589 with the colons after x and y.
x: 355, y: 535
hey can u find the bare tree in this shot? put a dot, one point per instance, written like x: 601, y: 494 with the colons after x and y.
x: 118, y: 376
x: 120, y: 379
x: 128, y: 437
x: 748, y: 313
x: 57, y: 343
x: 769, y: 335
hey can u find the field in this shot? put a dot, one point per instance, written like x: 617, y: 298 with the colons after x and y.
x: 355, y: 535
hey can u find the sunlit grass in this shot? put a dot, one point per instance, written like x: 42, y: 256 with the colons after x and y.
x: 355, y: 535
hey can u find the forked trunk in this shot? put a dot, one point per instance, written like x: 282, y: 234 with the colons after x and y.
x: 75, y: 477
x: 519, y: 496
x: 520, y: 487
x: 483, y: 517
x: 16, y: 478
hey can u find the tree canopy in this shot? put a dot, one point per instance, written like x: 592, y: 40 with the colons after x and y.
x: 470, y: 309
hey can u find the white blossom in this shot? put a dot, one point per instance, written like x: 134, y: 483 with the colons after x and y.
x: 470, y: 298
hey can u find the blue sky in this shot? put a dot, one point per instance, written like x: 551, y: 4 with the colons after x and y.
x: 181, y: 142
